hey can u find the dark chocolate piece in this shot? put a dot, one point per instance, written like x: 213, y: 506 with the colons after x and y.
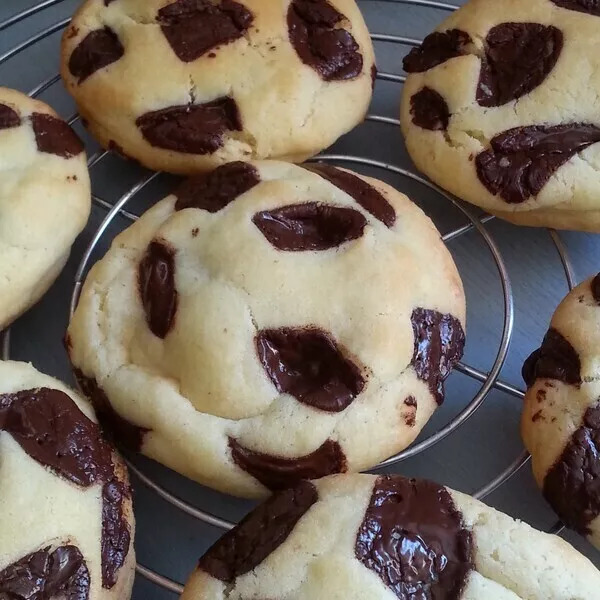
x: 591, y: 7
x: 52, y: 430
x: 107, y: 2
x: 364, y: 194
x: 215, y: 190
x: 307, y: 364
x: 429, y: 110
x: 437, y: 48
x: 572, y: 485
x: 518, y: 58
x: 191, y: 129
x: 258, y: 535
x: 45, y: 575
x: 278, y: 473
x: 520, y: 161
x: 414, y: 539
x: 373, y: 76
x: 97, y: 50
x: 596, y: 288
x: 556, y: 359
x: 310, y: 226
x: 320, y: 41
x: 156, y: 278
x: 195, y: 27
x: 439, y: 345
x: 54, y: 136
x: 8, y: 117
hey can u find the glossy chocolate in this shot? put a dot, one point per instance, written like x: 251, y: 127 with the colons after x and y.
x: 596, y: 288
x: 439, y: 345
x: 591, y: 7
x: 215, y: 190
x: 191, y: 129
x: 97, y: 50
x: 156, y: 277
x: 572, y: 485
x: 195, y: 27
x: 310, y: 226
x: 520, y: 161
x: 309, y: 365
x: 46, y: 575
x: 278, y: 473
x: 556, y: 359
x: 363, y: 193
x: 429, y: 110
x: 8, y: 117
x: 413, y: 538
x: 518, y: 58
x: 54, y: 136
x: 317, y: 34
x: 259, y: 534
x: 437, y: 48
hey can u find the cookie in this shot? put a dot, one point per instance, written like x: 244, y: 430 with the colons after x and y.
x: 384, y: 538
x: 500, y: 108
x: 561, y: 414
x: 66, y: 524
x: 44, y: 199
x: 270, y: 322
x: 240, y: 79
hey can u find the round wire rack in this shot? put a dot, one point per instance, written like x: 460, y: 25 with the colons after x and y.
x: 488, y: 379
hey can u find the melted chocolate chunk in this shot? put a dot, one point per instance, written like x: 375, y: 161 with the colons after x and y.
x: 191, y: 129
x: 414, y: 539
x: 97, y: 50
x: 308, y: 365
x: 310, y: 226
x: 258, y: 535
x: 364, y: 194
x: 518, y: 58
x: 215, y: 190
x: 8, y: 117
x: 118, y: 429
x: 107, y: 2
x: 373, y: 76
x: 46, y: 575
x: 522, y: 160
x: 195, y: 27
x: 572, y: 485
x: 54, y: 136
x: 596, y: 288
x: 52, y: 430
x: 156, y: 278
x: 591, y: 7
x: 278, y: 473
x: 320, y: 41
x: 437, y: 48
x: 429, y: 110
x: 556, y: 359
x: 439, y: 345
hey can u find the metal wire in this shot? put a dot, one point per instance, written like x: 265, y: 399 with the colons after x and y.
x: 489, y: 380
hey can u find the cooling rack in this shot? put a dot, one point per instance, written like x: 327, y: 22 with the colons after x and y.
x: 469, y: 223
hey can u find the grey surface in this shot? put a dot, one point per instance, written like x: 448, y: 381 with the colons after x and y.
x: 170, y: 542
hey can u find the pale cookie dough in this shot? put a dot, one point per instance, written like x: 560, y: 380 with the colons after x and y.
x: 500, y: 107
x: 561, y: 416
x: 268, y: 323
x: 44, y: 199
x: 184, y: 86
x: 66, y: 521
x: 358, y: 537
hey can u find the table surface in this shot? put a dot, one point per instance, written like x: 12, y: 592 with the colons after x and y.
x: 169, y: 541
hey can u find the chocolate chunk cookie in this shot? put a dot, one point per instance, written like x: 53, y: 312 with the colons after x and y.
x: 269, y: 322
x: 240, y: 79
x: 498, y: 110
x: 387, y: 538
x: 561, y: 416
x: 44, y: 199
x: 66, y: 524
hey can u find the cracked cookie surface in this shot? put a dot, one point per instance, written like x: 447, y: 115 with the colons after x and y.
x: 256, y: 326
x: 44, y: 199
x: 241, y: 79
x: 499, y: 108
